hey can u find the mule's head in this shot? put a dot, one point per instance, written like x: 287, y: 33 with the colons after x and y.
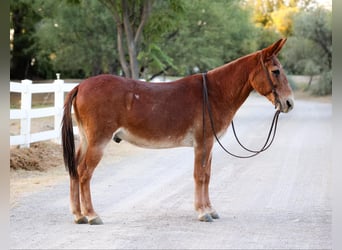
x: 270, y: 80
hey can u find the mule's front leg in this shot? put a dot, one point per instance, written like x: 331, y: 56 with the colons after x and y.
x: 202, y: 170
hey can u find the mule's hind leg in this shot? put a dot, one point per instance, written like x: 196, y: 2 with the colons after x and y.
x: 79, y: 218
x: 75, y: 204
x: 85, y: 171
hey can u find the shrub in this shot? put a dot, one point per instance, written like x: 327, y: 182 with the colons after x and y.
x: 324, y: 86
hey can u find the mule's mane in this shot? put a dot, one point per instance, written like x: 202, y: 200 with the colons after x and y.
x: 236, y: 62
x: 233, y: 79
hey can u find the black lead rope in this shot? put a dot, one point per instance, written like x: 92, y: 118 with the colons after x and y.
x: 267, y: 144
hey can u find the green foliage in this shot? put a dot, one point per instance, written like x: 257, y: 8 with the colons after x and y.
x: 75, y: 41
x: 162, y: 25
x: 297, y: 51
x: 78, y: 38
x: 316, y: 27
x: 265, y: 37
x: 309, y: 50
x: 23, y: 18
x: 292, y: 83
x: 324, y: 86
x: 210, y: 34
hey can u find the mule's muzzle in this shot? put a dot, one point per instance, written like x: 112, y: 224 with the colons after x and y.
x: 286, y: 105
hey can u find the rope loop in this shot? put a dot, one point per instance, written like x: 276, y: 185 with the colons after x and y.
x: 267, y: 144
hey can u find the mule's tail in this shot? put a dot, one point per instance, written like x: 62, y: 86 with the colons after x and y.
x: 68, y: 141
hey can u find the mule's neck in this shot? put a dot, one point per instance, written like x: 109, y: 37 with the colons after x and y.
x: 229, y: 84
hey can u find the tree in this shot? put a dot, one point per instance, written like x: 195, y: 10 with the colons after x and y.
x: 309, y: 50
x: 130, y: 17
x: 277, y: 15
x: 212, y: 33
x: 23, y: 18
x: 141, y: 38
x: 74, y: 39
x: 163, y: 26
x: 316, y: 26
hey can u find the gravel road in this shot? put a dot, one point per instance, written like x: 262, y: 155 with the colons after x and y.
x: 280, y: 199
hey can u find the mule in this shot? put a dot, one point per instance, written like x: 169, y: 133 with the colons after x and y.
x: 164, y: 115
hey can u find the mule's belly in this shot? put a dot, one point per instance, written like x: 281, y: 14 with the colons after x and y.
x: 154, y: 142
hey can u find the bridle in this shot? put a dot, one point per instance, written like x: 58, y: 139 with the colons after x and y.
x: 271, y: 83
x: 271, y: 133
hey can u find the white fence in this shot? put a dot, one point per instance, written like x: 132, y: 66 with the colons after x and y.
x: 26, y: 112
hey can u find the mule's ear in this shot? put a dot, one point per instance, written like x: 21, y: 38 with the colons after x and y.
x: 274, y: 48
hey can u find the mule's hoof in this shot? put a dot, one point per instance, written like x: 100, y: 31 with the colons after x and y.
x: 81, y: 220
x: 96, y: 221
x: 215, y: 215
x: 205, y: 218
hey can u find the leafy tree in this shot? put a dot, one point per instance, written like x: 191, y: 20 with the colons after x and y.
x: 76, y: 42
x: 162, y: 26
x: 131, y: 18
x: 175, y: 37
x: 211, y: 34
x: 23, y: 18
x: 282, y: 19
x: 277, y: 15
x: 316, y: 26
x: 309, y: 51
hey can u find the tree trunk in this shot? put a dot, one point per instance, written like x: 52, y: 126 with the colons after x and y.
x: 310, y: 81
x: 121, y: 51
x: 133, y: 40
x: 130, y: 41
x: 122, y: 12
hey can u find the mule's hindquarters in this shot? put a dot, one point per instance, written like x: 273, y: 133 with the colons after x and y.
x: 81, y: 166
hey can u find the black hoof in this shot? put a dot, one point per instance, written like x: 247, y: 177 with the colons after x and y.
x: 206, y: 218
x: 215, y: 215
x: 82, y: 220
x: 95, y: 221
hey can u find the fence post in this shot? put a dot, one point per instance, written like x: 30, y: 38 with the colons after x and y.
x: 26, y: 105
x: 59, y: 101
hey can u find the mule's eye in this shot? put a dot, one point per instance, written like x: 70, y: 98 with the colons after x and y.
x: 276, y: 72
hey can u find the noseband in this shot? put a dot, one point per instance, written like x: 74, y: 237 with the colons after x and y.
x: 206, y: 106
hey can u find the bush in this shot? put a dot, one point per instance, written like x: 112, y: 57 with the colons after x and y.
x: 292, y: 83
x: 324, y: 86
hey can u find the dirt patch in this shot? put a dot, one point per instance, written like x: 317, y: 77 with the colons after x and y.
x: 40, y: 156
x: 35, y: 168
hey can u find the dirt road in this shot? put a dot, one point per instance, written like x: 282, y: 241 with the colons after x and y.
x: 278, y: 200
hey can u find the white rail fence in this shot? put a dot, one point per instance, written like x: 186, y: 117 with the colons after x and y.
x: 26, y: 113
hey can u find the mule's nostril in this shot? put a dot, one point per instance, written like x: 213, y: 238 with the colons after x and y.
x: 289, y: 104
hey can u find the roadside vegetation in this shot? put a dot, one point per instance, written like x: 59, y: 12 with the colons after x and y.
x: 149, y: 38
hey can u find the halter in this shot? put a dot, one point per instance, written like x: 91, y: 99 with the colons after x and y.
x: 271, y: 133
